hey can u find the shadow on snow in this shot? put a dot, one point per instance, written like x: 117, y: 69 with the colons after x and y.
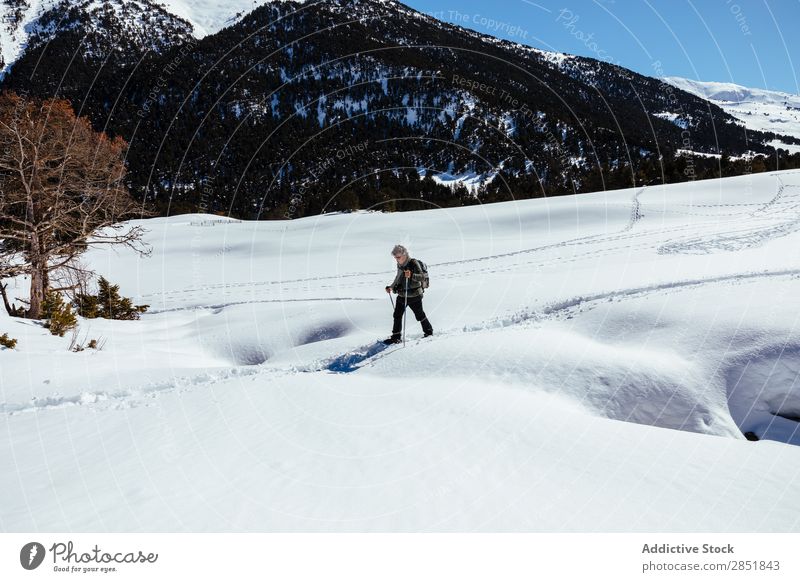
x: 350, y: 361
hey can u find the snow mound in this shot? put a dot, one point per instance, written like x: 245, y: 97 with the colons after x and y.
x: 764, y: 393
x: 613, y: 379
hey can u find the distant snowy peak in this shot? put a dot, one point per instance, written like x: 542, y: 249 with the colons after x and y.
x: 557, y: 59
x: 108, y: 24
x: 15, y: 15
x: 114, y: 24
x: 733, y: 92
x: 204, y: 17
x: 758, y: 109
x: 210, y: 16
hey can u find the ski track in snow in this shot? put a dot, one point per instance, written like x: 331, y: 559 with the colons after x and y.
x: 775, y: 224
x: 131, y: 397
x: 567, y: 308
x: 220, y: 306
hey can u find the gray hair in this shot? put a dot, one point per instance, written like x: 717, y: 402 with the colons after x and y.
x: 399, y: 250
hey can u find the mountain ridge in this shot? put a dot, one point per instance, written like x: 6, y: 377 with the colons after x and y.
x: 252, y: 112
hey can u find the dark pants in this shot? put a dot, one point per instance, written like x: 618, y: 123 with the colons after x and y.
x: 415, y: 304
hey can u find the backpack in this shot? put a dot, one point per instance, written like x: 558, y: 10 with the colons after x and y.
x: 426, y: 280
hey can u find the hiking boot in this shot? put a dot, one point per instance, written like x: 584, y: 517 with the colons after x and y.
x: 427, y: 334
x: 392, y: 340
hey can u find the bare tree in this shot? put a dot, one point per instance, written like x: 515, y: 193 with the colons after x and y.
x: 62, y: 190
x: 11, y: 265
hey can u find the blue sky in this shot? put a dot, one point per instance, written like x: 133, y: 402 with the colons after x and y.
x: 749, y: 42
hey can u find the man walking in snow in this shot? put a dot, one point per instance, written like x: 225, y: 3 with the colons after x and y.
x: 408, y: 287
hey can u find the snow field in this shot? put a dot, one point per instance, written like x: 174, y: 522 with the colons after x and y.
x: 596, y: 362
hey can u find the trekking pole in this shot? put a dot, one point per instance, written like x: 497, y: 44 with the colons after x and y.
x: 391, y: 300
x: 405, y: 310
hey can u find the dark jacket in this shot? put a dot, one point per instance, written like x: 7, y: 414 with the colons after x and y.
x: 414, y: 283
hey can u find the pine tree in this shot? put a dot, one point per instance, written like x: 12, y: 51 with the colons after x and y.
x: 111, y: 306
x: 58, y: 313
x: 86, y: 305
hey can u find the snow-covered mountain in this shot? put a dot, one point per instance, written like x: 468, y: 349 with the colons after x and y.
x: 15, y: 16
x: 758, y: 109
x: 478, y: 117
x: 125, y: 26
x: 19, y: 18
x: 597, y: 361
